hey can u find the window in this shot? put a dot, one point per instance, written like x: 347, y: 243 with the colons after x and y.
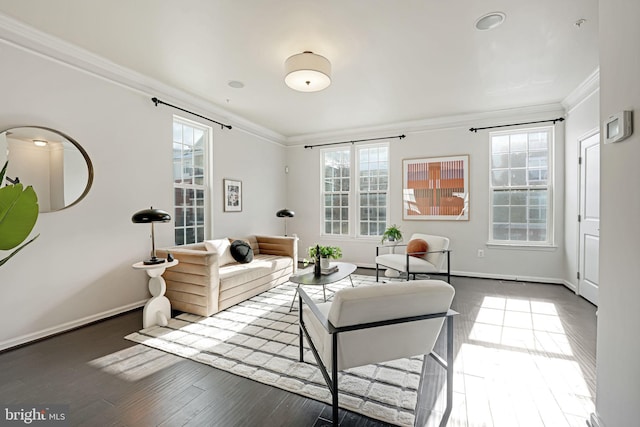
x: 521, y: 186
x: 367, y: 205
x: 336, y: 191
x: 373, y: 172
x: 190, y: 147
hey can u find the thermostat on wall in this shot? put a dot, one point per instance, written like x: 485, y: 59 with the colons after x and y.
x: 618, y: 127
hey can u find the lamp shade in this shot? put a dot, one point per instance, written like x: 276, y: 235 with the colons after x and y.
x: 150, y: 215
x: 285, y: 213
x: 307, y: 72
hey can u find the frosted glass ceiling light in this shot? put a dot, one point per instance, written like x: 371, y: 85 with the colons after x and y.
x: 40, y: 142
x: 307, y: 72
x: 490, y: 21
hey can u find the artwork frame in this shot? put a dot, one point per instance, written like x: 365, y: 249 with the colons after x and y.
x: 232, y: 195
x: 436, y: 188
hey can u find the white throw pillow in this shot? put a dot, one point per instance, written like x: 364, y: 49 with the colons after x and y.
x: 222, y: 247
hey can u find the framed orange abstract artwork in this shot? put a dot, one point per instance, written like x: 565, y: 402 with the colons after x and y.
x: 436, y: 188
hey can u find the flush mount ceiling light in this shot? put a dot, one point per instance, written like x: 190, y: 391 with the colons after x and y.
x: 490, y: 21
x: 40, y: 142
x: 236, y: 84
x: 307, y: 72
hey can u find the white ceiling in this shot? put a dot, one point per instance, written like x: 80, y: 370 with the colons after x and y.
x: 393, y: 61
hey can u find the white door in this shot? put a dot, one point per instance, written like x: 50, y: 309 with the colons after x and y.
x: 589, y: 218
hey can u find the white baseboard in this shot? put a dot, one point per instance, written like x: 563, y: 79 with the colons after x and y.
x: 24, y: 339
x: 571, y: 286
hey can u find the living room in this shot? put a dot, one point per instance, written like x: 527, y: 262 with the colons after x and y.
x: 79, y: 269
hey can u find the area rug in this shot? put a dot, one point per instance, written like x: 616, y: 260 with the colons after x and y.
x: 258, y: 339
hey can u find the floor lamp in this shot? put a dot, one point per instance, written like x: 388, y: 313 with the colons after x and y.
x: 285, y: 213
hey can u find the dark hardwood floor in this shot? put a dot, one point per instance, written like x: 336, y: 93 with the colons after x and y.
x: 103, y: 379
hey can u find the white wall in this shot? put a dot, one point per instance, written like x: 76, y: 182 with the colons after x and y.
x: 466, y: 236
x: 260, y: 166
x: 617, y: 368
x: 79, y: 269
x: 582, y: 121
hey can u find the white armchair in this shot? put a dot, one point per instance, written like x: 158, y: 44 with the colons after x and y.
x: 431, y: 261
x: 375, y: 324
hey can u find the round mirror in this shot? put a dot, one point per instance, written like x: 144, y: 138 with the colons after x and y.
x: 57, y: 167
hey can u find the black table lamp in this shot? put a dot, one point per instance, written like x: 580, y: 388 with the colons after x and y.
x: 150, y: 216
x: 285, y: 213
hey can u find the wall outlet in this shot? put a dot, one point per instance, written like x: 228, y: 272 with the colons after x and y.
x: 480, y: 253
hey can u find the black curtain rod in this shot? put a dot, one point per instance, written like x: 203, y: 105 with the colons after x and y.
x: 157, y: 101
x: 559, y: 119
x: 357, y: 140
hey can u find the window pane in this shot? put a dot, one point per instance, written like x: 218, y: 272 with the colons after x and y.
x: 519, y: 164
x: 500, y: 198
x: 179, y: 236
x: 500, y: 161
x: 500, y: 144
x: 501, y: 214
x: 538, y: 159
x: 518, y: 176
x: 518, y: 160
x: 189, y: 172
x: 179, y: 217
x: 518, y: 215
x: 500, y: 178
x: 519, y: 197
x: 501, y: 231
x: 518, y: 231
x: 518, y: 142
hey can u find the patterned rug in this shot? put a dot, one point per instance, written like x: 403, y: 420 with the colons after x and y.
x: 258, y: 339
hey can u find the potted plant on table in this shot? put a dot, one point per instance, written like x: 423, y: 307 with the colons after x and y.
x: 326, y: 253
x: 392, y: 234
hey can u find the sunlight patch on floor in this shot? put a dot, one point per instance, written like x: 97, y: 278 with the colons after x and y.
x: 517, y: 369
x: 134, y: 363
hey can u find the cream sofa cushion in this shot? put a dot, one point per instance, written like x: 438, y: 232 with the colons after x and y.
x: 222, y: 247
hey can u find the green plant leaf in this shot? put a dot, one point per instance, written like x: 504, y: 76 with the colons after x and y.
x: 2, y: 261
x: 18, y: 214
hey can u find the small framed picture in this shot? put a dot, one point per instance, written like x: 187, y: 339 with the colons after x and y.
x: 232, y: 195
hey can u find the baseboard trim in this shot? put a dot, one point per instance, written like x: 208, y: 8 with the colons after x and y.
x: 64, y: 327
x: 571, y: 286
x: 595, y: 421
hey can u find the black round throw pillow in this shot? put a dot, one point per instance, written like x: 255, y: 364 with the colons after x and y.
x: 241, y: 251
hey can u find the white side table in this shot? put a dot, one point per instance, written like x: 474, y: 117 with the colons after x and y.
x: 157, y: 311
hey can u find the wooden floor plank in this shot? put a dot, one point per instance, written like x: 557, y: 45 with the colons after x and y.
x: 524, y: 355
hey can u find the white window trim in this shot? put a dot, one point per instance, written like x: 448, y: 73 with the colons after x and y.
x: 353, y: 194
x: 322, y: 194
x: 549, y: 244
x: 356, y: 174
x: 208, y: 174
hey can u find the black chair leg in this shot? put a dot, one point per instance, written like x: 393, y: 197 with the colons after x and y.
x: 376, y: 272
x: 449, y: 407
x: 334, y: 378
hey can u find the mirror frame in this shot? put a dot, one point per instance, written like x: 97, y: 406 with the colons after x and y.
x: 75, y: 143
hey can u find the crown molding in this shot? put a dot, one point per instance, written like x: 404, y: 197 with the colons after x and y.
x: 45, y: 45
x: 477, y: 119
x: 584, y: 90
